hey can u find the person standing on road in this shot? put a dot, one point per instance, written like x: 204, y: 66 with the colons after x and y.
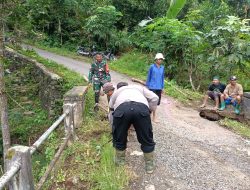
x: 98, y: 76
x: 132, y: 105
x: 155, y: 79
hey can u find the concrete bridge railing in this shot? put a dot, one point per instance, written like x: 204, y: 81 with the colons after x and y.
x: 19, y: 174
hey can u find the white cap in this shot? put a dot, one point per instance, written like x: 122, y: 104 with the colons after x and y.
x: 159, y: 56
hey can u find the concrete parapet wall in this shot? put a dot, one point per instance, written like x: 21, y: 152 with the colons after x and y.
x: 76, y: 95
x: 50, y: 88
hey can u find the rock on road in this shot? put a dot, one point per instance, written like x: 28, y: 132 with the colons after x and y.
x: 191, y: 153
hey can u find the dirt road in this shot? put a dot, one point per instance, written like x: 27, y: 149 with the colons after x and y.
x: 191, y: 152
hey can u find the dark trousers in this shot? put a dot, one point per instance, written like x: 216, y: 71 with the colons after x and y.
x: 158, y: 93
x: 214, y: 95
x: 137, y: 114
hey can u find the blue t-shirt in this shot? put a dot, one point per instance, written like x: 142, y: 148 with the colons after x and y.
x: 155, y: 79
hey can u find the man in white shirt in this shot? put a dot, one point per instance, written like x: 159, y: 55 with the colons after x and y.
x: 132, y: 105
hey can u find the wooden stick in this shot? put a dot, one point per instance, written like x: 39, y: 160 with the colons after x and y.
x: 138, y: 81
x: 186, y: 95
x: 143, y: 83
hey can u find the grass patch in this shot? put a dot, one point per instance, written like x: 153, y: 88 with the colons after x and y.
x: 184, y: 95
x: 136, y: 64
x: 88, y: 163
x: 239, y: 128
x: 111, y: 177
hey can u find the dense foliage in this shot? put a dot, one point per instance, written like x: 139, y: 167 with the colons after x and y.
x: 200, y: 38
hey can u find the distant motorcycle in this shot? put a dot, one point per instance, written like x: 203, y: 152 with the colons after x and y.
x: 108, y: 55
x: 83, y: 51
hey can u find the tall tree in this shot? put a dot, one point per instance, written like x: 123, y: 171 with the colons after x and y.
x: 3, y: 97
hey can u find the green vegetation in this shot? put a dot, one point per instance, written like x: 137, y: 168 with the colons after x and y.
x: 25, y: 112
x: 111, y: 177
x: 194, y: 56
x: 199, y: 38
x: 42, y: 157
x: 26, y: 115
x: 175, y: 8
x: 136, y: 64
x: 240, y: 128
x: 80, y: 161
x: 89, y: 161
x: 85, y: 159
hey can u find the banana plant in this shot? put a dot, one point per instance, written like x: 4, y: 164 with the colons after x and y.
x: 175, y: 8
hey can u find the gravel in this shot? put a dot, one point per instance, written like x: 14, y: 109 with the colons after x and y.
x: 192, y: 153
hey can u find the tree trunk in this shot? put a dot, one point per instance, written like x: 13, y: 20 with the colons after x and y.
x: 191, y: 81
x: 190, y: 72
x: 60, y: 31
x: 3, y: 98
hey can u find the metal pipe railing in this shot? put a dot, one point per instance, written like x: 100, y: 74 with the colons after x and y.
x: 52, y: 163
x: 68, y: 115
x: 10, y: 174
x: 45, y: 135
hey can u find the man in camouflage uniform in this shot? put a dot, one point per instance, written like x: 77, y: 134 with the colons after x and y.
x: 98, y: 76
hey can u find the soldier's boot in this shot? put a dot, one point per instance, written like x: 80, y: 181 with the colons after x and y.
x: 222, y: 106
x: 237, y: 109
x: 120, y: 157
x: 96, y: 107
x: 149, y: 162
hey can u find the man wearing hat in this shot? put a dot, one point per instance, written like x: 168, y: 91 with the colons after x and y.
x: 108, y: 89
x: 98, y: 75
x: 155, y: 79
x: 215, y: 90
x: 128, y: 105
x: 232, y: 95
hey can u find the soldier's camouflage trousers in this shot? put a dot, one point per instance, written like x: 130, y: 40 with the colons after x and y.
x: 97, y: 88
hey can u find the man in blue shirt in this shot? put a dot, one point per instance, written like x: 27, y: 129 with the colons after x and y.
x: 155, y: 79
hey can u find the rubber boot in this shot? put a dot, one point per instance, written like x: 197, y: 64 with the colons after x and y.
x: 237, y: 109
x: 149, y: 162
x: 222, y: 106
x: 120, y: 157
